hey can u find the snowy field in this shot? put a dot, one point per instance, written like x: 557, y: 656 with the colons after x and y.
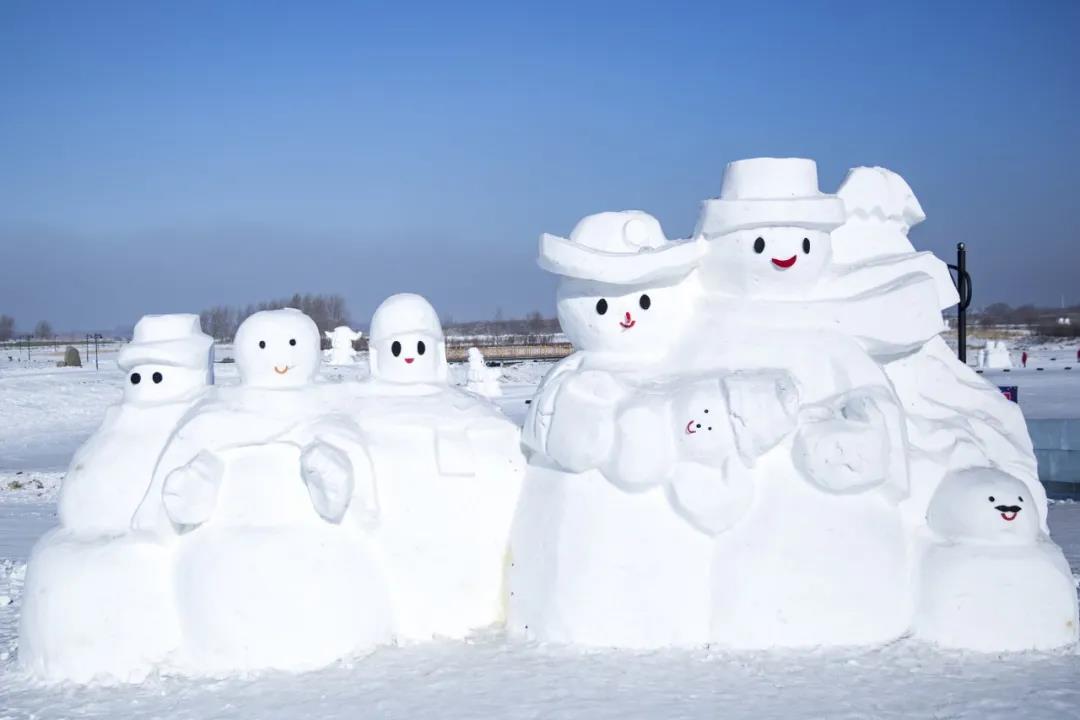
x: 46, y: 412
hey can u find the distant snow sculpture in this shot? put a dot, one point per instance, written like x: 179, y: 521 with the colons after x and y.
x: 481, y: 379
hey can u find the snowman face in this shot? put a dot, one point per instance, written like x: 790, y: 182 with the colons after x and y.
x: 699, y: 423
x: 767, y: 262
x: 409, y: 358
x: 278, y: 349
x: 638, y: 319
x: 153, y: 384
x: 983, y: 504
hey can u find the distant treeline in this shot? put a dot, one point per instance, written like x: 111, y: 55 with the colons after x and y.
x: 328, y: 311
x: 1042, y: 321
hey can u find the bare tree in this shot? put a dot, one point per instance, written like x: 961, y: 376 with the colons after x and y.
x: 43, y: 329
x: 328, y: 311
x: 7, y: 327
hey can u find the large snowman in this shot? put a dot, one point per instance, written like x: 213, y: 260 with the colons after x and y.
x: 99, y: 598
x: 600, y: 554
x: 267, y: 497
x: 821, y: 557
x: 447, y: 465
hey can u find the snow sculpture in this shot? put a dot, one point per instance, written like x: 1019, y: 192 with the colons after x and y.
x: 448, y: 466
x: 407, y: 343
x: 481, y: 379
x: 991, y: 580
x: 283, y: 523
x: 754, y: 471
x: 168, y: 366
x: 995, y: 355
x: 98, y: 600
x: 258, y: 479
x: 341, y: 350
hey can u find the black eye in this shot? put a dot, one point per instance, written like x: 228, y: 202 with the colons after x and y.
x: 759, y: 245
x: 806, y: 245
x: 1020, y: 498
x: 156, y: 377
x: 991, y: 498
x: 420, y: 348
x: 645, y: 302
x: 601, y: 306
x: 396, y: 348
x: 136, y: 378
x: 292, y: 341
x: 262, y: 344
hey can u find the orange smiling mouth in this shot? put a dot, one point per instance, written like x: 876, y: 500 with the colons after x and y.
x: 279, y: 371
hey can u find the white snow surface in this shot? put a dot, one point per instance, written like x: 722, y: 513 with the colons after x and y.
x: 48, y: 412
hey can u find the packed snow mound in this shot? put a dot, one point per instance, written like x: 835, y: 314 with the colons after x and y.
x: 341, y: 350
x: 278, y: 524
x: 744, y: 446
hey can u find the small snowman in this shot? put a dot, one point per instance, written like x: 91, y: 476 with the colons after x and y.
x: 407, y: 346
x: 481, y: 379
x: 625, y: 293
x: 99, y: 598
x: 990, y: 579
x: 168, y: 367
x: 268, y: 478
x: 341, y: 350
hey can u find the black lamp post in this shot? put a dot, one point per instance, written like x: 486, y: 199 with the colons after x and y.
x: 963, y: 289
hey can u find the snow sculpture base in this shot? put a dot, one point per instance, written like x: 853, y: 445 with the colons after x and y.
x: 993, y: 599
x: 594, y: 565
x: 448, y: 468
x: 97, y: 607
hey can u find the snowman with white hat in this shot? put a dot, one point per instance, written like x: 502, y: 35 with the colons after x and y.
x: 625, y: 292
x: 821, y: 555
x: 597, y: 477
x: 99, y: 597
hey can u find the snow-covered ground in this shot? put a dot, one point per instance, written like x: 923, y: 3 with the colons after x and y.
x: 46, y: 412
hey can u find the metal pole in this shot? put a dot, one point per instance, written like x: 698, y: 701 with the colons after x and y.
x: 964, y: 283
x: 96, y: 336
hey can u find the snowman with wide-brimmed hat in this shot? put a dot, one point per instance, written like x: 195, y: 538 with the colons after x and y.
x: 625, y: 292
x: 768, y: 233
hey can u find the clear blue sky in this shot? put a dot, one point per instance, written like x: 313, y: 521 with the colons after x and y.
x: 168, y: 156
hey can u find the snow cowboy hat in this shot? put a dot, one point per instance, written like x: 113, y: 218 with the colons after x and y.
x: 621, y: 248
x: 763, y: 192
x: 176, y: 340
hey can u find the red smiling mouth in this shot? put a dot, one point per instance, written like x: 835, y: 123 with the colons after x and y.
x: 409, y: 360
x: 785, y: 263
x: 628, y: 323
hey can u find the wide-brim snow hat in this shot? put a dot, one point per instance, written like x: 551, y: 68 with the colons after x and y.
x: 176, y: 340
x: 763, y: 192
x: 620, y: 248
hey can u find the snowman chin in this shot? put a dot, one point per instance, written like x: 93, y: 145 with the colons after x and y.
x: 644, y: 318
x: 767, y: 263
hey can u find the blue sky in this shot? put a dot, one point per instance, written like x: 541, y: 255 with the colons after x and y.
x: 160, y: 157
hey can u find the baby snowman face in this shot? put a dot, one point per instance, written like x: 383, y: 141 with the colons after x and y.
x: 633, y: 319
x: 700, y: 424
x: 152, y: 384
x: 767, y: 262
x: 410, y: 357
x: 985, y: 505
x: 278, y: 349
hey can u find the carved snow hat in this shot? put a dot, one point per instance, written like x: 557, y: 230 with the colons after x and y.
x: 403, y: 314
x: 621, y: 248
x: 763, y: 192
x: 176, y: 340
